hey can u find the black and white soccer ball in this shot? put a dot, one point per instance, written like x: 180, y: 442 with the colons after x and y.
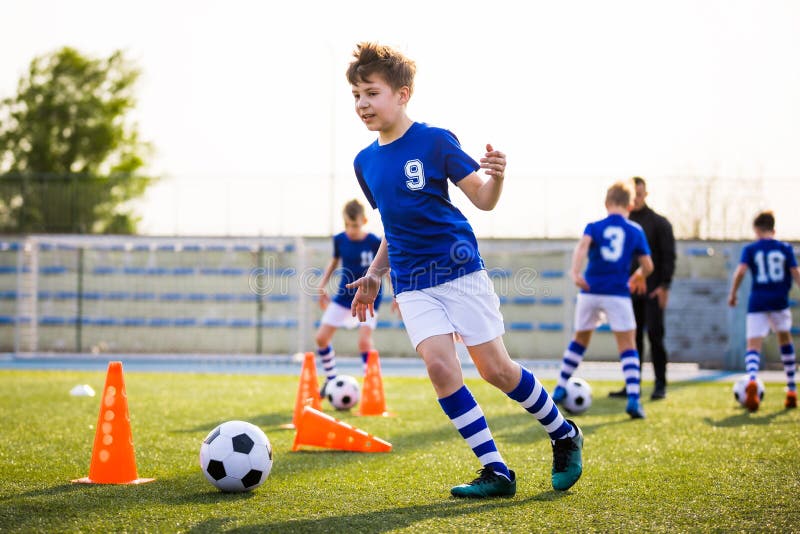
x: 236, y: 456
x: 579, y: 396
x: 739, y: 385
x: 343, y: 392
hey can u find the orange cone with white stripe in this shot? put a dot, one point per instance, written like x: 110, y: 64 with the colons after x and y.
x: 317, y: 429
x: 113, y: 458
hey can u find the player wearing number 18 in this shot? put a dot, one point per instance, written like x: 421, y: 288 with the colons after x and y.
x: 772, y: 266
x: 611, y: 245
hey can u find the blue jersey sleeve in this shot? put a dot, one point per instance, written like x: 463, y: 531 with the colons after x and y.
x: 791, y: 259
x: 588, y: 229
x: 746, y: 253
x: 364, y: 186
x: 457, y: 163
x: 337, y: 253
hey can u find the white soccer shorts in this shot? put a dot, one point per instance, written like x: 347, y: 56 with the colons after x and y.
x: 593, y: 310
x: 338, y: 316
x: 467, y: 305
x: 760, y: 323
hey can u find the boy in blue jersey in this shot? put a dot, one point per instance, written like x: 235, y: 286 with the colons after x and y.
x: 356, y: 249
x: 772, y: 265
x: 439, y: 278
x: 611, y: 245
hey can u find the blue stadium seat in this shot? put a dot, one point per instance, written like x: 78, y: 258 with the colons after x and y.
x: 552, y: 301
x: 185, y: 321
x: 170, y: 297
x: 8, y: 269
x: 524, y: 300
x: 53, y: 270
x: 604, y: 328
x: 8, y: 295
x: 521, y: 326
x: 7, y: 319
x: 552, y: 273
x: 159, y: 321
x: 551, y: 327
x: 133, y: 321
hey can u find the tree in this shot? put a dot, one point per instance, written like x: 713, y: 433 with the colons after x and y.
x: 70, y: 156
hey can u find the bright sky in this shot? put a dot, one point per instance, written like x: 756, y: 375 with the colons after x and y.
x: 250, y: 114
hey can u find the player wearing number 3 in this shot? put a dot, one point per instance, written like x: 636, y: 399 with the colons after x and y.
x: 437, y: 273
x: 772, y: 266
x: 611, y: 245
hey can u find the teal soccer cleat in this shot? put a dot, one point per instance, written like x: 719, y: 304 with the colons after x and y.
x: 488, y: 484
x: 567, y: 460
x: 558, y: 394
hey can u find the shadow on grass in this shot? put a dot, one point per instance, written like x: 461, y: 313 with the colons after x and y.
x: 267, y: 421
x: 744, y: 418
x: 390, y: 519
x: 46, y: 492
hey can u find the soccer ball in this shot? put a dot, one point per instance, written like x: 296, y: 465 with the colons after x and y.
x: 236, y: 456
x: 343, y: 392
x: 579, y: 396
x: 739, y: 385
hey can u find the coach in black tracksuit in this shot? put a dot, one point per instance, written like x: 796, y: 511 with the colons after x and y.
x: 649, y: 308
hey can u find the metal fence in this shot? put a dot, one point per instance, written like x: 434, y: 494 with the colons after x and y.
x: 256, y: 296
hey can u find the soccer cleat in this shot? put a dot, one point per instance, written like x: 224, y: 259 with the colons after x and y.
x: 488, y: 484
x: 634, y: 409
x: 559, y: 394
x: 751, y: 400
x: 567, y: 460
x: 322, y: 393
x: 659, y: 393
x: 619, y: 393
x: 791, y: 399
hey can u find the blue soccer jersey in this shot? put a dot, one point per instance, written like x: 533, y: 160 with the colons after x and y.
x: 429, y: 240
x: 616, y: 241
x: 769, y: 261
x: 356, y: 257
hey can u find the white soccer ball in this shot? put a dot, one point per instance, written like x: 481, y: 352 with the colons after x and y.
x: 579, y: 396
x: 739, y: 385
x: 343, y: 392
x: 236, y: 456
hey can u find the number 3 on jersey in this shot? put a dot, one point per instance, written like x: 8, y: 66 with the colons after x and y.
x: 415, y: 174
x: 616, y: 241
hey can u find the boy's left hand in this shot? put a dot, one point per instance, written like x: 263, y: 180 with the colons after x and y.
x: 494, y: 162
x: 364, y: 299
x: 637, y: 284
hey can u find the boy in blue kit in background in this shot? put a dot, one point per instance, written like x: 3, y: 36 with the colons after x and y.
x: 439, y: 278
x: 611, y: 245
x: 356, y: 249
x: 772, y: 266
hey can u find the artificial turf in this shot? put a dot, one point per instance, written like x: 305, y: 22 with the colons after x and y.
x: 697, y: 463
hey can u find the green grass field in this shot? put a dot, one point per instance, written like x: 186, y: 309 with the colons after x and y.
x: 698, y: 463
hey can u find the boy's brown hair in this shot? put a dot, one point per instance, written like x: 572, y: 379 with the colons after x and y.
x: 375, y: 59
x: 619, y: 194
x: 765, y: 221
x: 353, y: 210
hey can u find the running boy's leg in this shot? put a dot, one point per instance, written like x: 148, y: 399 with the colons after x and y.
x: 631, y: 371
x: 496, y: 367
x: 444, y: 370
x: 572, y: 359
x: 789, y: 366
x: 326, y: 353
x: 365, y: 343
x: 752, y: 361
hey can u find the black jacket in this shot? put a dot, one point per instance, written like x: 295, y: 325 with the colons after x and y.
x: 659, y: 235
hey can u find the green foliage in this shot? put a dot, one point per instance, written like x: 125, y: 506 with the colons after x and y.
x: 698, y: 462
x: 70, y: 156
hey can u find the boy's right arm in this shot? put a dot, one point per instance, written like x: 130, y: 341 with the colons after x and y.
x: 738, y: 276
x: 324, y: 298
x: 578, y: 257
x: 369, y: 284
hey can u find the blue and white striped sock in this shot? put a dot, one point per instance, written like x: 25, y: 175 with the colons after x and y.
x: 464, y: 412
x: 751, y: 363
x: 632, y: 372
x: 572, y: 359
x: 328, y: 356
x: 789, y: 365
x: 534, y: 398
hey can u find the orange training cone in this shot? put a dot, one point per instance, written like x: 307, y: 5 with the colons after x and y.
x: 321, y: 430
x: 308, y: 389
x: 373, y: 401
x: 113, y: 459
